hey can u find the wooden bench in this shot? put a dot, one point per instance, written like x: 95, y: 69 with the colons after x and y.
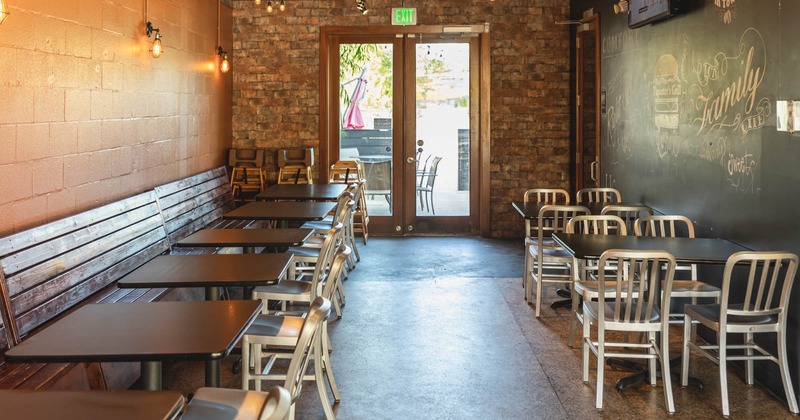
x: 198, y: 202
x: 50, y: 269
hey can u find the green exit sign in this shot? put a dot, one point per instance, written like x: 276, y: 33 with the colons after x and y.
x: 404, y: 16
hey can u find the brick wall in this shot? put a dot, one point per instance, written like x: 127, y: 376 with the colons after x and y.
x: 276, y: 83
x: 87, y: 116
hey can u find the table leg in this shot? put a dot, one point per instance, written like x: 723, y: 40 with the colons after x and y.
x: 212, y: 293
x: 644, y: 376
x: 213, y: 373
x: 151, y: 375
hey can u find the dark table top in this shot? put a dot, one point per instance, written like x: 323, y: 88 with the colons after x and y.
x: 247, y: 237
x: 81, y: 405
x: 321, y: 192
x: 209, y: 270
x: 141, y: 332
x: 685, y: 250
x: 530, y: 210
x: 281, y: 210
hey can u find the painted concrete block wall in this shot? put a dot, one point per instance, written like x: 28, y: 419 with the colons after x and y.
x: 88, y: 116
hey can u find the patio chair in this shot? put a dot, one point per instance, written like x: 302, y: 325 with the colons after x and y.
x: 426, y: 185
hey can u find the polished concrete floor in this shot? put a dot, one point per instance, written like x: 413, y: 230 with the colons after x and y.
x: 436, y: 328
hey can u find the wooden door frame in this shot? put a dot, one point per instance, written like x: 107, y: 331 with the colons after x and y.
x: 479, y: 150
x: 591, y: 23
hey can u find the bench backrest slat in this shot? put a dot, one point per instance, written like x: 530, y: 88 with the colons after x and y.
x: 50, y: 268
x: 192, y: 203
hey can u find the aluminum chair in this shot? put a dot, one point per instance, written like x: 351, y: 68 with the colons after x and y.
x: 282, y: 330
x: 671, y: 226
x: 544, y: 196
x: 583, y: 286
x: 546, y: 262
x: 236, y: 404
x: 629, y: 214
x: 598, y: 195
x: 766, y: 291
x: 620, y: 308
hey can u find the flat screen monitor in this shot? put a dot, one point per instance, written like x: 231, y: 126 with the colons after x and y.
x: 643, y: 12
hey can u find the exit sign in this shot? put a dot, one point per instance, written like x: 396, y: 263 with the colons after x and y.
x: 404, y: 16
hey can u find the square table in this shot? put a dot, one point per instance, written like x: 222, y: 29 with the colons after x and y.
x: 302, y: 192
x: 27, y: 404
x: 283, y: 211
x: 211, y: 271
x: 149, y: 333
x: 248, y: 239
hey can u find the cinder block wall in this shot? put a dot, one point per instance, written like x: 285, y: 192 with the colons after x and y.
x: 276, y: 83
x: 87, y: 116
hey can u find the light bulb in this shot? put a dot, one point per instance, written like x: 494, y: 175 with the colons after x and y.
x: 3, y: 11
x: 283, y: 5
x: 225, y: 65
x: 158, y: 49
x: 269, y: 6
x: 258, y: 2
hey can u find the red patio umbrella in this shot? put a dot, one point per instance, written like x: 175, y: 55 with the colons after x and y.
x: 352, y: 115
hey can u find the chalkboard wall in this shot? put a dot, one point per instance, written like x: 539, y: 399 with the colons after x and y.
x: 689, y: 125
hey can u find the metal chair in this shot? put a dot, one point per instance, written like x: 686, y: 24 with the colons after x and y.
x: 583, y: 286
x: 629, y: 214
x: 766, y: 291
x: 621, y: 308
x: 598, y: 195
x: 672, y: 226
x: 233, y: 404
x: 283, y: 330
x: 426, y: 185
x: 545, y: 262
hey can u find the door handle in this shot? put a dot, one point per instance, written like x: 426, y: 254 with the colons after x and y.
x: 593, y: 170
x: 411, y: 160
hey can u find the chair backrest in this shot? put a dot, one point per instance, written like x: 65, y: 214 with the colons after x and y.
x: 430, y: 174
x: 768, y: 273
x: 332, y: 240
x: 337, y: 264
x: 553, y: 218
x: 627, y: 213
x: 664, y: 226
x: 598, y: 195
x: 597, y: 225
x: 547, y: 196
x: 278, y: 404
x: 635, y: 271
x: 342, y: 209
x: 317, y: 313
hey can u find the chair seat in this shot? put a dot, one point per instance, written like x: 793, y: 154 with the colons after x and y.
x: 711, y: 313
x: 279, y: 326
x: 286, y: 287
x: 303, y: 252
x: 225, y: 404
x: 697, y: 288
x: 550, y: 253
x: 592, y: 288
x: 592, y: 309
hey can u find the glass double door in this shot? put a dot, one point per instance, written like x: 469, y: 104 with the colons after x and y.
x: 406, y: 114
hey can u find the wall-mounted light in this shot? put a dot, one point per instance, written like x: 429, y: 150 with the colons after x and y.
x: 283, y: 6
x: 258, y: 2
x: 3, y: 10
x: 224, y: 65
x: 157, y: 49
x: 361, y: 5
x: 621, y: 7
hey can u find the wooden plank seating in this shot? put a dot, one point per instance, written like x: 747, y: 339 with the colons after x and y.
x: 198, y: 202
x: 48, y: 270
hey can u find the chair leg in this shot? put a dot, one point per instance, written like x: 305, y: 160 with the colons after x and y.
x: 320, y: 380
x: 245, y: 364
x: 652, y: 363
x: 666, y: 379
x: 326, y: 359
x: 587, y: 335
x: 748, y: 366
x: 433, y: 208
x: 784, y: 367
x: 687, y: 336
x: 525, y: 274
x: 538, y: 282
x: 601, y: 362
x: 723, y: 373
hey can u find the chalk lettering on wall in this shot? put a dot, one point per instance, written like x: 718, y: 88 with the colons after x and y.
x: 667, y: 90
x: 729, y: 101
x: 742, y: 172
x: 754, y: 122
x: 726, y: 9
x: 715, y: 151
x: 619, y: 42
x: 618, y: 137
